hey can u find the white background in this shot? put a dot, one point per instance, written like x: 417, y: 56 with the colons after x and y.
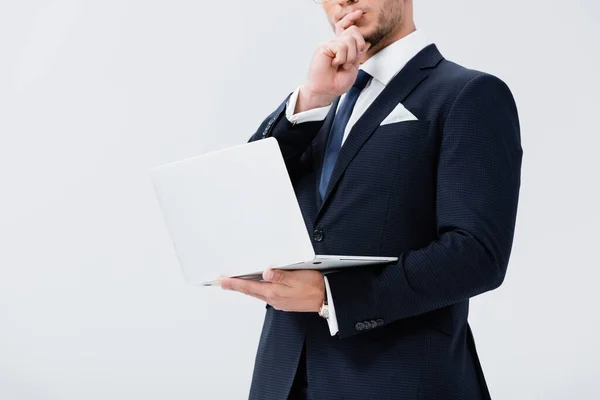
x: 94, y: 93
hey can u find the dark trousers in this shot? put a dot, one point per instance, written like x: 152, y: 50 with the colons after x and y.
x: 299, y: 390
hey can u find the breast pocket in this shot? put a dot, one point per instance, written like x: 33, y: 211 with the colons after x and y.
x: 398, y: 141
x: 391, y: 152
x: 404, y: 128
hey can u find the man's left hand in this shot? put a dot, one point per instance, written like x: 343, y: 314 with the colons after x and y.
x: 299, y: 291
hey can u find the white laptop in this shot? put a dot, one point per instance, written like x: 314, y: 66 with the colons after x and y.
x: 233, y: 212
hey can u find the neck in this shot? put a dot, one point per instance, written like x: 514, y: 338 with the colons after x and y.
x: 402, y: 31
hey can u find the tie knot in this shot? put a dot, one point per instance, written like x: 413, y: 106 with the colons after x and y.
x: 361, y: 80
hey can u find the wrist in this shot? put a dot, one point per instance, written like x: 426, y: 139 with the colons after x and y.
x: 308, y: 99
x: 324, y: 306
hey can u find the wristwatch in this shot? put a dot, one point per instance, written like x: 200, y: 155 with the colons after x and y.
x: 324, y: 310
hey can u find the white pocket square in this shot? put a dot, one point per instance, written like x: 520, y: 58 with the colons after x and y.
x: 398, y: 114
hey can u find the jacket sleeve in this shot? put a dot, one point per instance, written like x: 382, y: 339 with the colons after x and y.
x: 293, y: 138
x: 478, y: 181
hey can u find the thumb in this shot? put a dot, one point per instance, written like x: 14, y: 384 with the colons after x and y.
x: 275, y: 276
x: 361, y: 54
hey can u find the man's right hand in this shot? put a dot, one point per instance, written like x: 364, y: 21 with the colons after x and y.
x: 334, y: 66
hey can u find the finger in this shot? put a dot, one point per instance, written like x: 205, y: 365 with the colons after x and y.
x: 329, y: 48
x: 246, y: 286
x: 360, y: 40
x: 351, y: 51
x: 278, y: 276
x: 347, y: 21
x: 341, y: 54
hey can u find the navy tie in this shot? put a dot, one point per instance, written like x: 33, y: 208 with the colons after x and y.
x: 338, y: 127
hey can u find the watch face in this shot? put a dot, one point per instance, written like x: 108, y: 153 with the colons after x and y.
x: 324, y: 311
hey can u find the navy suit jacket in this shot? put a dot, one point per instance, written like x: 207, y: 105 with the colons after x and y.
x: 441, y: 194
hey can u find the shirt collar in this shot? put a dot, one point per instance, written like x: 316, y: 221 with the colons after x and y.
x: 387, y: 62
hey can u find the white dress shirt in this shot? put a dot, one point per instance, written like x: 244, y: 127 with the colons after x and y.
x: 382, y: 66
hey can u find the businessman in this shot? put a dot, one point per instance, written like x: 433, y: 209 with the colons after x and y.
x: 393, y: 151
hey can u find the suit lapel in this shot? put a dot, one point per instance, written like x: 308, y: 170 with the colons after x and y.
x: 415, y: 72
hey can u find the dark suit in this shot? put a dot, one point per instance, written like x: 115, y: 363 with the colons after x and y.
x: 441, y: 194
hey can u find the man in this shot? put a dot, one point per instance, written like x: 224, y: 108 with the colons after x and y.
x: 392, y: 151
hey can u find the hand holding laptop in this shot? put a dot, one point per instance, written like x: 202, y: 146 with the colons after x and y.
x: 297, y: 291
x: 234, y: 213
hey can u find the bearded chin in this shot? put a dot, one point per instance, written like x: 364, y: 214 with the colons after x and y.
x: 389, y: 19
x: 380, y: 34
x: 375, y: 37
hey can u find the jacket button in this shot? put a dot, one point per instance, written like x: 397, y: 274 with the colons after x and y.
x: 368, y: 325
x: 359, y: 326
x: 318, y: 235
x: 380, y: 322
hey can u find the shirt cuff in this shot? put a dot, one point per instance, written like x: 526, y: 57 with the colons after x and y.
x: 332, y: 320
x: 316, y: 114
